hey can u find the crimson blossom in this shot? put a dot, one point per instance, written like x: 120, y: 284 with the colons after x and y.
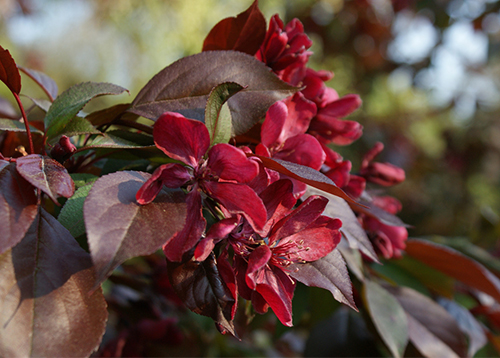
x: 219, y: 174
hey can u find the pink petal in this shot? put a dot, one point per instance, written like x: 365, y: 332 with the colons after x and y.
x: 181, y: 138
x: 257, y: 262
x: 194, y: 226
x: 302, y: 149
x: 170, y: 175
x: 316, y: 241
x: 300, y: 113
x: 299, y: 219
x: 384, y: 174
x: 342, y: 107
x: 279, y: 200
x: 231, y: 163
x: 239, y: 199
x: 334, y: 130
x: 271, y: 132
x: 217, y: 232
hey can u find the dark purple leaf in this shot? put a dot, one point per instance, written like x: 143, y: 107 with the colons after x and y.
x: 351, y: 228
x: 70, y: 102
x: 108, y: 115
x: 388, y: 317
x: 218, y: 117
x: 244, y: 32
x: 305, y: 174
x: 47, y: 175
x: 456, y: 265
x: 185, y: 85
x: 46, y: 83
x: 330, y: 273
x: 201, y: 288
x: 9, y: 74
x: 7, y: 110
x: 118, y: 228
x: 467, y: 323
x: 431, y: 328
x: 47, y: 309
x: 18, y: 206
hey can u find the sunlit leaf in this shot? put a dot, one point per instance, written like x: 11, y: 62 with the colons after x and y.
x: 456, y: 265
x: 9, y: 74
x: 118, y: 228
x: 18, y: 206
x: 185, y: 85
x: 70, y: 102
x: 218, y: 116
x: 46, y: 83
x: 201, y: 288
x: 330, y: 273
x: 47, y: 175
x: 47, y: 310
x: 244, y: 33
x: 388, y: 316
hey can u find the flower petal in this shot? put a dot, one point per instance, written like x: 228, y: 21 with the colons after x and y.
x: 194, y: 226
x: 181, y: 138
x: 271, y: 132
x: 231, y: 163
x: 302, y: 149
x: 279, y: 200
x: 239, y: 199
x: 217, y: 232
x: 257, y: 261
x: 170, y: 175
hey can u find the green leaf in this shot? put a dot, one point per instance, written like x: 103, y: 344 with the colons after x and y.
x: 71, y: 215
x: 76, y: 126
x: 82, y: 179
x: 70, y: 102
x: 217, y: 114
x: 16, y: 126
x: 388, y: 316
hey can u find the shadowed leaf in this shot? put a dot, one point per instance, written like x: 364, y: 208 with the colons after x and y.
x: 456, y: 265
x: 107, y: 115
x: 218, y: 116
x: 244, y: 33
x: 388, y: 316
x: 47, y: 310
x: 118, y: 228
x: 431, y: 329
x: 71, y: 215
x: 18, y: 206
x: 46, y: 83
x: 47, y: 175
x: 201, y: 288
x: 16, y: 126
x: 330, y: 273
x: 7, y: 110
x: 70, y: 102
x: 9, y: 74
x: 185, y: 85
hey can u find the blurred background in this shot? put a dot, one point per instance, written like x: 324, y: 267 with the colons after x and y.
x: 428, y: 73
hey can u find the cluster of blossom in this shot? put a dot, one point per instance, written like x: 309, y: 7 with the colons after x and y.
x: 258, y: 222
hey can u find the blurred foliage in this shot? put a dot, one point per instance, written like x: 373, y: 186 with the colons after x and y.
x: 451, y: 155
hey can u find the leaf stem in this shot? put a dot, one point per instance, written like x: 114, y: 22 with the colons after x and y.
x: 25, y: 118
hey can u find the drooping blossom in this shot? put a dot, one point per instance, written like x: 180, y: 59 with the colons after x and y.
x: 385, y: 174
x: 300, y: 235
x: 219, y: 173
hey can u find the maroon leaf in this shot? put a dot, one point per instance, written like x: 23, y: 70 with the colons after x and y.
x: 9, y: 74
x: 304, y: 174
x: 456, y: 265
x: 47, y: 309
x: 47, y: 175
x: 17, y: 206
x: 46, y: 83
x: 201, y: 288
x: 108, y: 115
x: 244, y: 32
x: 118, y: 228
x: 185, y: 85
x: 7, y: 110
x: 351, y: 228
x: 430, y: 327
x: 329, y: 272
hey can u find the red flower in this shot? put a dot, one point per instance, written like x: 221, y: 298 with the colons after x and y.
x: 220, y: 173
x: 384, y: 174
x: 289, y: 236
